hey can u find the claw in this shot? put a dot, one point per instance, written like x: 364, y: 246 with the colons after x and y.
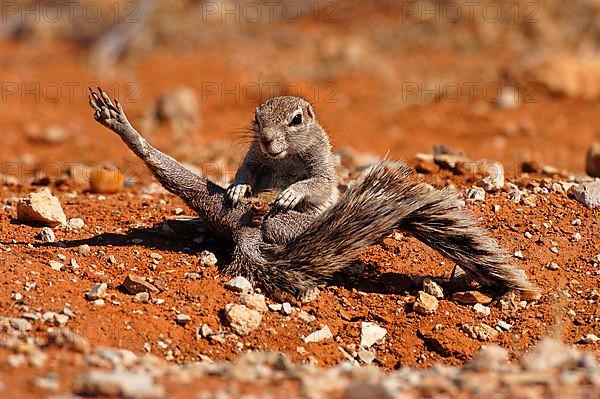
x: 288, y: 199
x: 236, y: 192
x: 93, y: 104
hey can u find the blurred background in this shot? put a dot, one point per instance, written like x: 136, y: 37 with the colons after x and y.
x: 514, y: 81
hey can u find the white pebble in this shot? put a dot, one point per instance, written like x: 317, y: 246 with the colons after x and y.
x: 519, y: 255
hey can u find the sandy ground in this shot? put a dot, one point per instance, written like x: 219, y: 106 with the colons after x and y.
x: 364, y: 105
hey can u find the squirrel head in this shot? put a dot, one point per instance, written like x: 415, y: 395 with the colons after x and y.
x: 285, y: 125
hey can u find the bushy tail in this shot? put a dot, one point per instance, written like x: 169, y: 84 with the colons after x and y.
x: 389, y: 197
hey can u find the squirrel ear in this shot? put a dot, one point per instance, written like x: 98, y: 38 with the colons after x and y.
x: 310, y: 111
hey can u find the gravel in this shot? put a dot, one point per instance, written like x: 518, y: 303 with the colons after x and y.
x: 47, y: 235
x: 425, y: 304
x: 207, y: 259
x: 432, y: 288
x: 120, y: 383
x: 76, y: 223
x: 239, y: 284
x: 41, y: 207
x: 322, y: 334
x: 475, y: 194
x: 242, y: 320
x: 370, y: 334
x: 588, y: 194
x: 254, y: 301
x: 96, y: 292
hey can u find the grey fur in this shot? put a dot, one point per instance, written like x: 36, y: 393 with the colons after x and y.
x: 295, y: 251
x: 293, y: 160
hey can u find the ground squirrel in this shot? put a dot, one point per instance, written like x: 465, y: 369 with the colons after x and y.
x: 290, y: 156
x: 296, y: 251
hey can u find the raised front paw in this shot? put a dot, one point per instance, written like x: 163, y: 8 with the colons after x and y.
x: 236, y: 192
x: 289, y: 198
x: 107, y: 114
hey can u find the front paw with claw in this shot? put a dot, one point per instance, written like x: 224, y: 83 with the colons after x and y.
x: 289, y: 198
x: 106, y: 113
x: 236, y: 192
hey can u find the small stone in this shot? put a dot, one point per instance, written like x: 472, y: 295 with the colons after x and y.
x: 49, y: 382
x: 76, y: 223
x: 504, y: 325
x: 320, y: 335
x: 432, y: 288
x: 192, y: 276
x: 518, y: 254
x: 61, y: 319
x: 207, y: 259
x: 68, y: 312
x: 120, y: 383
x: 576, y: 222
x: 182, y: 319
x: 587, y: 193
x: 514, y: 194
x: 104, y: 180
x: 55, y: 265
x: 528, y: 235
x: 96, y: 292
x: 554, y: 250
x: 482, y: 309
x: 475, y: 194
x: 16, y: 360
x: 590, y: 339
x: 370, y: 333
x: 447, y: 157
x: 471, y: 297
x: 481, y: 331
x: 494, y: 181
x: 84, y: 250
x: 73, y: 263
x: 286, y: 308
x: 425, y: 304
x: 239, y: 284
x: 529, y: 200
x: 552, y: 266
x: 20, y: 324
x: 142, y: 297
x: 576, y: 237
x: 254, y: 301
x: 41, y: 207
x: 205, y: 331
x: 366, y: 357
x: 47, y: 235
x: 242, y: 319
x: 155, y: 255
x: 305, y: 316
x: 31, y: 316
x: 275, y: 307
x: 135, y: 284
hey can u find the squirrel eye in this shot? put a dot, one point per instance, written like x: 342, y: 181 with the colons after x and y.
x: 296, y: 120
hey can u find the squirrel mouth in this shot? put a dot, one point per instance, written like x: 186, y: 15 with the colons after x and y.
x: 276, y: 155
